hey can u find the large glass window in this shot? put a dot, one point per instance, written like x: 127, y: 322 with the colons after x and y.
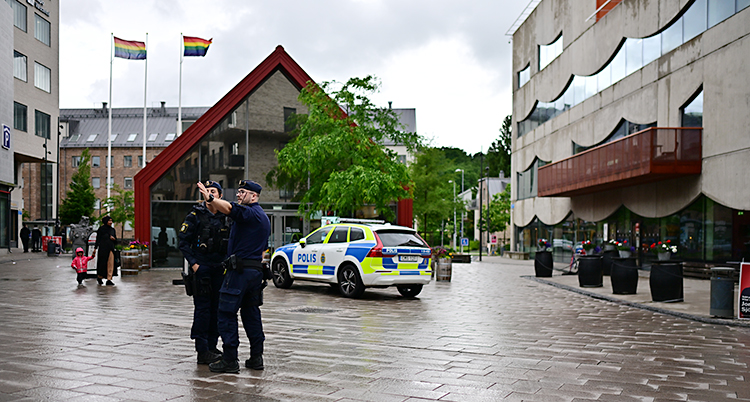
x: 524, y: 76
x: 742, y: 4
x: 719, y: 10
x: 633, y: 55
x: 20, y: 119
x: 692, y: 113
x: 41, y: 29
x: 19, y: 66
x: 547, y: 53
x: 19, y: 14
x: 41, y: 124
x: 42, y: 77
x: 527, y: 183
x: 695, y: 19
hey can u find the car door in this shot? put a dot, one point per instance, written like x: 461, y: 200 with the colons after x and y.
x: 333, y: 251
x: 306, y: 260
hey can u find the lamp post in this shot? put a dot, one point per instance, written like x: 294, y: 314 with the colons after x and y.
x: 454, y: 212
x: 463, y: 211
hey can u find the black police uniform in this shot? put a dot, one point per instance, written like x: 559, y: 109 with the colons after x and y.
x: 242, y: 287
x: 203, y: 241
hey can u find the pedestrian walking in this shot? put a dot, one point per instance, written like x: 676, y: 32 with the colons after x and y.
x: 36, y: 239
x: 25, y: 234
x: 106, y: 238
x: 204, y: 236
x: 242, y: 288
x: 80, y: 264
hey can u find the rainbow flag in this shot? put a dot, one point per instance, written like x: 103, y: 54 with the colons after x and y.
x: 128, y: 49
x: 196, y: 46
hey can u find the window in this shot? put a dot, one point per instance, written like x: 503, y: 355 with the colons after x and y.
x: 109, y: 161
x: 95, y: 161
x: 339, y: 235
x: 46, y: 190
x: 41, y: 124
x: 132, y: 137
x: 20, y: 121
x: 92, y: 138
x: 170, y: 137
x: 547, y: 53
x: 19, y: 14
x: 128, y: 182
x: 152, y: 137
x: 692, y: 113
x: 741, y: 4
x: 140, y: 161
x: 395, y: 238
x: 289, y: 124
x: 42, y: 77
x: 127, y: 226
x: 41, y: 29
x: 719, y: 10
x: 527, y: 184
x: 98, y: 202
x: 110, y: 181
x: 524, y: 76
x: 112, y: 137
x: 95, y: 182
x: 695, y: 20
x: 76, y: 161
x: 318, y: 236
x: 356, y: 234
x: 19, y: 66
x: 127, y: 161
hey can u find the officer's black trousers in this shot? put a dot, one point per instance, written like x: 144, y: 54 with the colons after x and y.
x: 241, y: 291
x: 206, y: 300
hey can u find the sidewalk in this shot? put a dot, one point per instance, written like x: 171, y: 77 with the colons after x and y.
x: 697, y: 292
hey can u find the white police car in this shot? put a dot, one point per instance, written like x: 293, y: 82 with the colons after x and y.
x: 352, y: 257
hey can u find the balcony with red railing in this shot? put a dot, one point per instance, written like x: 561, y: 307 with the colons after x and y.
x: 647, y: 156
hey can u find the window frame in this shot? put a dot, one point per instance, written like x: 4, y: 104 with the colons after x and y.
x: 96, y: 182
x: 17, y: 6
x: 42, y: 72
x: 39, y: 21
x: 127, y: 161
x: 17, y: 66
x: 96, y: 161
x: 25, y: 120
x: 42, y: 124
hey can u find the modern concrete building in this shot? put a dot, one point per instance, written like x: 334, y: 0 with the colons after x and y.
x: 631, y: 121
x: 29, y: 50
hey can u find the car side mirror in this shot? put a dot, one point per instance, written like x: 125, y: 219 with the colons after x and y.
x: 302, y: 242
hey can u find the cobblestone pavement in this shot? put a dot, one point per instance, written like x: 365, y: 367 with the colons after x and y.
x: 488, y: 335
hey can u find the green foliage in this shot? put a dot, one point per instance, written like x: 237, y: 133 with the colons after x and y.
x: 499, y: 212
x: 120, y: 206
x: 498, y: 156
x: 79, y: 200
x: 336, y: 160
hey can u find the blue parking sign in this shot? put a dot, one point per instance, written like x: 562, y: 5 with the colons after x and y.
x: 465, y: 241
x: 6, y: 137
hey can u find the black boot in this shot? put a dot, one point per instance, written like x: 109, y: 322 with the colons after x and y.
x: 255, y: 363
x: 223, y: 366
x: 99, y: 281
x: 208, y: 357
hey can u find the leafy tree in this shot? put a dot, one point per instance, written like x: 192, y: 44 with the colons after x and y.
x: 120, y: 206
x: 498, y: 156
x: 336, y: 160
x: 499, y: 212
x: 79, y: 200
x: 432, y: 192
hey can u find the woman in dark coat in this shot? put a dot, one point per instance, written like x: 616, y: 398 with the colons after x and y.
x: 105, y: 242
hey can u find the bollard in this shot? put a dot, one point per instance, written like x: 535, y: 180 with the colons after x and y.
x: 722, y: 292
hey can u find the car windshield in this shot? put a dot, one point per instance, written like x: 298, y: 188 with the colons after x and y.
x: 400, y: 239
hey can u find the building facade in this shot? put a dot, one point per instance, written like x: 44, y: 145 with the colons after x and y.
x: 30, y: 45
x: 631, y: 124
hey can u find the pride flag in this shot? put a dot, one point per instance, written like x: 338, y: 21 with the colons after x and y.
x: 196, y: 46
x: 128, y: 49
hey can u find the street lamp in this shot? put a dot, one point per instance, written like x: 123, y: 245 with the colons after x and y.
x: 454, y: 212
x: 463, y: 211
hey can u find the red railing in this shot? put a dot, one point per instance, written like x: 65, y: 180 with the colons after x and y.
x: 650, y: 155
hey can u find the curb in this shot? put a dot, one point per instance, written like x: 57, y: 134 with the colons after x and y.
x: 706, y: 320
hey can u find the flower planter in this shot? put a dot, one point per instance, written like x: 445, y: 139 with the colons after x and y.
x: 543, y: 264
x: 131, y: 261
x: 664, y: 256
x: 609, y: 247
x: 625, y: 253
x: 443, y: 271
x: 145, y: 259
x: 624, y: 276
x: 607, y: 260
x: 666, y: 282
x: 590, y: 271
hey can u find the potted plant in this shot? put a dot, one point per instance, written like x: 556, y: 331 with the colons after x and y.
x: 543, y: 259
x: 610, y: 245
x: 625, y: 249
x: 443, y: 264
x: 543, y: 245
x: 663, y: 250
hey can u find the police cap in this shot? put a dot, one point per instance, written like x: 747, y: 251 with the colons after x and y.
x: 214, y: 184
x: 250, y: 185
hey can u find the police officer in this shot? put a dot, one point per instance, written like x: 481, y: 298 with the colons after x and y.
x: 204, y: 236
x: 243, y: 282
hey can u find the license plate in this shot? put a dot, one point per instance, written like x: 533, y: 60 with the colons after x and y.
x: 408, y: 258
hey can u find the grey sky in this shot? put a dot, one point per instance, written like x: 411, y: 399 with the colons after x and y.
x: 449, y: 60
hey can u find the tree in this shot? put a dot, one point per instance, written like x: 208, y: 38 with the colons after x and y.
x: 432, y: 192
x: 79, y: 200
x: 499, y: 212
x: 498, y: 156
x: 120, y: 206
x: 336, y: 160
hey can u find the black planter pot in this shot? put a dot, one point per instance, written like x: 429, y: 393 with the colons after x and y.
x: 607, y: 261
x: 666, y: 281
x: 543, y: 264
x: 624, y: 276
x: 590, y: 271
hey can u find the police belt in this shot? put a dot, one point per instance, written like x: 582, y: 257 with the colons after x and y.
x: 238, y: 264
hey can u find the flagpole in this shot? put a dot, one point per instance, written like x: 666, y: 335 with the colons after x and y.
x: 145, y: 86
x: 179, y: 96
x: 109, y: 130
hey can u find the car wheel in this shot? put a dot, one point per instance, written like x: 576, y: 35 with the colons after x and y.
x: 280, y: 271
x: 409, y: 290
x: 350, y: 284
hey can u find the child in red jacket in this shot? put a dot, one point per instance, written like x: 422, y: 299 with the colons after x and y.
x: 80, y: 264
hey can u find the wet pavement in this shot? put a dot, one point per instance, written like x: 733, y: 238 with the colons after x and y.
x: 492, y: 333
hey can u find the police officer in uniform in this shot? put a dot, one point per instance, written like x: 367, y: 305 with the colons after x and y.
x: 243, y: 283
x: 204, y: 237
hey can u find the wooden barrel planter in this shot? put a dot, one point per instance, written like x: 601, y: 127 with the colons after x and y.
x: 624, y: 276
x: 444, y: 268
x: 607, y: 257
x: 666, y: 282
x: 131, y: 262
x: 590, y: 271
x: 145, y: 259
x: 543, y: 264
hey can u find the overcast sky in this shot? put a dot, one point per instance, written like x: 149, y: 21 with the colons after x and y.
x: 449, y: 60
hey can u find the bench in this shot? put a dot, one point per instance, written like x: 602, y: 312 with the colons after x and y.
x: 517, y: 255
x: 701, y: 270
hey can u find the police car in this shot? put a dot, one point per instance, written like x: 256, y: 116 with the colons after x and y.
x: 352, y: 257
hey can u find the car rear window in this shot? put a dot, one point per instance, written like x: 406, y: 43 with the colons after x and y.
x: 400, y: 239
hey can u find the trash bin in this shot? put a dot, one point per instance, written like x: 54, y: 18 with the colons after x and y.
x: 722, y: 292
x: 51, y: 248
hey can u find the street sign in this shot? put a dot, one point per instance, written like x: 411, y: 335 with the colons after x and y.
x: 743, y: 310
x: 6, y: 137
x: 465, y: 241
x: 493, y: 239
